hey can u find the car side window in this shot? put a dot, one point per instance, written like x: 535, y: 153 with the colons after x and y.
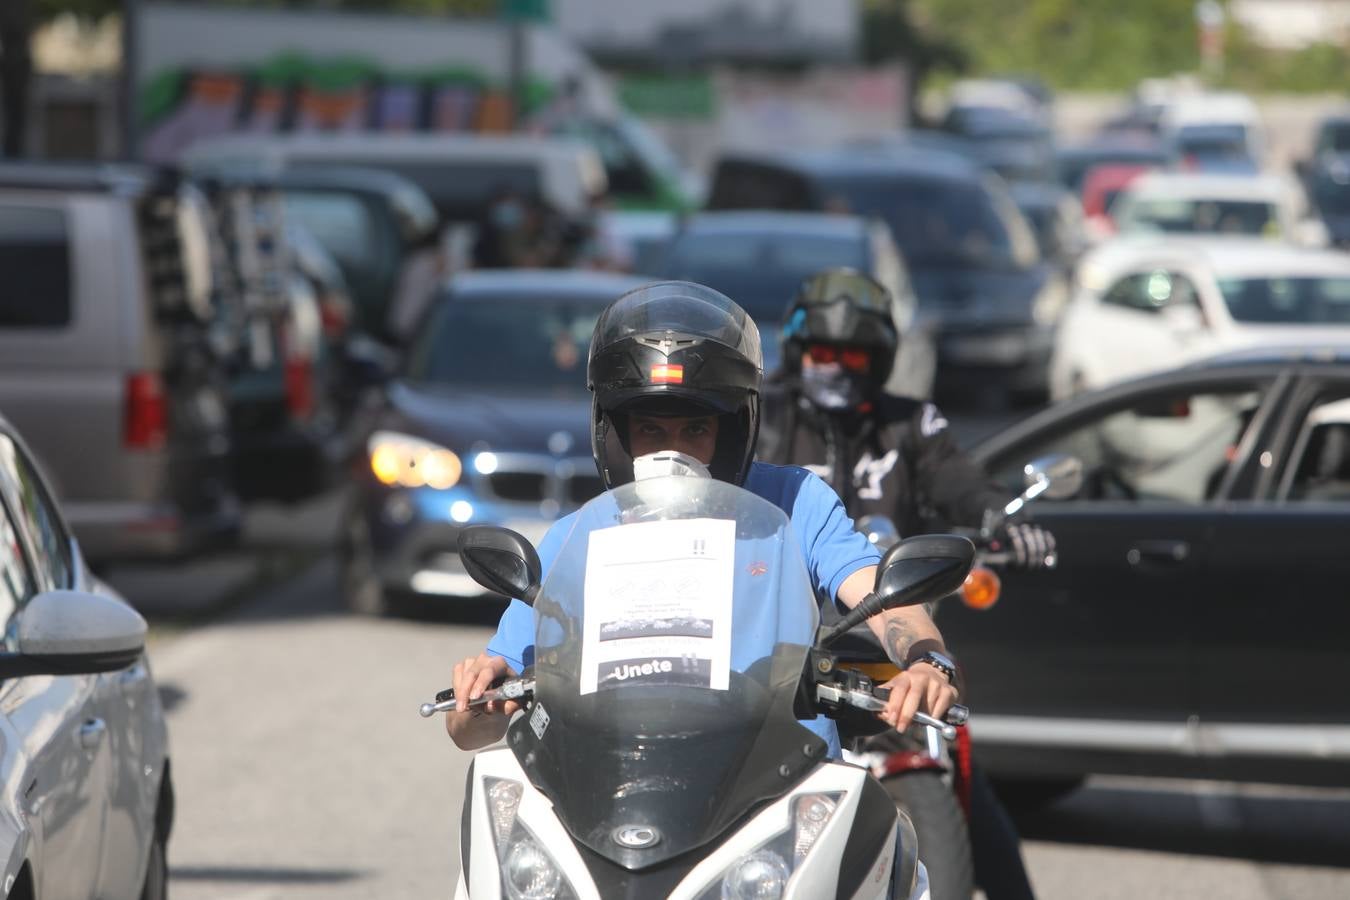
x: 16, y: 581
x: 38, y: 515
x: 35, y: 260
x: 1151, y: 291
x: 1319, y: 469
x: 1163, y: 447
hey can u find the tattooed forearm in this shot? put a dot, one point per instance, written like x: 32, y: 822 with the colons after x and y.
x: 899, y: 641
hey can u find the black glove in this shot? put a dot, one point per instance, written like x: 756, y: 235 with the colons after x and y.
x: 1032, y: 546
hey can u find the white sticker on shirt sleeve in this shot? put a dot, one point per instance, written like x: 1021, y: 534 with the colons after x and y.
x: 933, y: 421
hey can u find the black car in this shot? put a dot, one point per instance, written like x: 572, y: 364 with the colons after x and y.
x: 488, y: 421
x: 381, y: 228
x: 1195, y: 625
x: 760, y: 259
x: 973, y: 260
x: 1327, y: 176
x: 1056, y: 218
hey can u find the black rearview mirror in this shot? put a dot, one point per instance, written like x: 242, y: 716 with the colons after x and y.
x: 917, y: 570
x: 501, y: 560
x: 1061, y: 473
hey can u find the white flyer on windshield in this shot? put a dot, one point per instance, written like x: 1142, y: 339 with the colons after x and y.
x: 658, y: 605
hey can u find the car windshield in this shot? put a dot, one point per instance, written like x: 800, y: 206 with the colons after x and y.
x: 1335, y: 138
x: 340, y: 222
x: 761, y: 272
x: 940, y: 222
x: 1251, y: 217
x: 671, y: 632
x: 506, y: 341
x: 1293, y: 301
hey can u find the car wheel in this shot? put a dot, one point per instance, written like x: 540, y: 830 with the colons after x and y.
x: 361, y: 587
x: 940, y: 825
x: 156, y: 886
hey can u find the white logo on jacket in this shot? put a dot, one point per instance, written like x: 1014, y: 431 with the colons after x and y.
x: 869, y: 472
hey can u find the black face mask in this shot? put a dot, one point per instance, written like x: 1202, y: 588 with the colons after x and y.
x: 831, y: 387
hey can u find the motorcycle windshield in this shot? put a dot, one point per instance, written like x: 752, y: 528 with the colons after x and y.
x: 672, y: 630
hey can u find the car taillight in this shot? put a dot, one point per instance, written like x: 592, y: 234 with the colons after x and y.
x: 145, y: 426
x: 299, y: 387
x: 334, y: 319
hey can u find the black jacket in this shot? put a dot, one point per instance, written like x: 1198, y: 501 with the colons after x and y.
x: 900, y: 460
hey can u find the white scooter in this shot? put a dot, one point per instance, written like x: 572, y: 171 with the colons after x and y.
x: 660, y: 753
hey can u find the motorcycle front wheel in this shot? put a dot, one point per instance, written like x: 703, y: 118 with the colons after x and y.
x: 944, y: 837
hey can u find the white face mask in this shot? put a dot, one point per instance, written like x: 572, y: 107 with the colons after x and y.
x: 829, y: 386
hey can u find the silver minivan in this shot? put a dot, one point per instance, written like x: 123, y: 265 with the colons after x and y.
x: 108, y: 363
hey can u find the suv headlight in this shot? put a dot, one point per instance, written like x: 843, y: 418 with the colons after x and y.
x: 764, y: 873
x: 527, y: 870
x: 405, y: 461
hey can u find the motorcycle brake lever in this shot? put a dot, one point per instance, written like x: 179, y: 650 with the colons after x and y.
x: 956, y: 715
x: 502, y: 689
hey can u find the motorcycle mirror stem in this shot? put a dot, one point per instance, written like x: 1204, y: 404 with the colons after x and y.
x: 917, y: 570
x: 502, y: 561
x: 1057, y: 476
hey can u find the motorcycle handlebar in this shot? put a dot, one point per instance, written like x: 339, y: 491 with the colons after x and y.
x: 501, y: 689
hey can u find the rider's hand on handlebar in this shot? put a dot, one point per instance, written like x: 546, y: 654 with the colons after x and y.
x: 475, y: 675
x: 1032, y: 547
x: 919, y: 687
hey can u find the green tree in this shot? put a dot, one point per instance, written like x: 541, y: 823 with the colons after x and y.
x: 891, y: 32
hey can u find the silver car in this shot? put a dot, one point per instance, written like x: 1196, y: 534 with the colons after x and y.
x: 88, y: 803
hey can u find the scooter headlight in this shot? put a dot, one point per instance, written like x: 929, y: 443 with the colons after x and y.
x: 763, y: 875
x: 529, y: 874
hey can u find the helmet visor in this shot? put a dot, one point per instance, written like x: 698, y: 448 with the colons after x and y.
x: 682, y: 311
x: 848, y: 286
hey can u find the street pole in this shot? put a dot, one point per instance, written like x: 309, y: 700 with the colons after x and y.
x: 518, y: 61
x: 131, y: 27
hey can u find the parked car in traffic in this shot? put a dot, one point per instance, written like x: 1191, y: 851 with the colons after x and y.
x: 1102, y: 186
x: 488, y: 421
x: 459, y: 172
x: 1146, y: 304
x: 1207, y: 540
x: 760, y: 260
x: 1326, y: 175
x: 993, y: 301
x: 1056, y: 219
x: 86, y: 748
x: 110, y: 361
x: 1269, y: 205
x: 1217, y: 132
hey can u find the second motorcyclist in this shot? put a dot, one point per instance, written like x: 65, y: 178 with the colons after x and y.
x: 828, y: 411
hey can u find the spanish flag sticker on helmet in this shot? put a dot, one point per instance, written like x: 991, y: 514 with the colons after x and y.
x: 665, y: 373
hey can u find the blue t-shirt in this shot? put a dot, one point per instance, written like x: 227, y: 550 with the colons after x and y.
x: 832, y: 547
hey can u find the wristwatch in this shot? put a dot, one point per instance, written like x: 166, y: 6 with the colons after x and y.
x: 940, y: 661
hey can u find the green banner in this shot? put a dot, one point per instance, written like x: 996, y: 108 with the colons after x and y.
x: 669, y: 96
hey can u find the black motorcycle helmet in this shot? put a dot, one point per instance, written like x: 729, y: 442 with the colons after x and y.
x: 674, y: 348
x: 842, y: 307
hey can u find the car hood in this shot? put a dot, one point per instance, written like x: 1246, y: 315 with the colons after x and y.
x: 513, y: 421
x: 962, y: 296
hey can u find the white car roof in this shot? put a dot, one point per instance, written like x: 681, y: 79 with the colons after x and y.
x: 1216, y: 108
x: 1194, y: 186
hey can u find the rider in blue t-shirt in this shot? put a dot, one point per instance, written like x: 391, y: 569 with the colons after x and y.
x: 677, y: 366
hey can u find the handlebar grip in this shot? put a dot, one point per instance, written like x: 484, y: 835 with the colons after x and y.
x: 956, y: 713
x: 449, y: 693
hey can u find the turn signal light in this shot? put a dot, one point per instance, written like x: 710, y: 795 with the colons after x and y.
x: 981, y: 588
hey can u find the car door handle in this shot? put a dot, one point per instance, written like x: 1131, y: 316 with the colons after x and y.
x: 91, y: 733
x: 1169, y: 553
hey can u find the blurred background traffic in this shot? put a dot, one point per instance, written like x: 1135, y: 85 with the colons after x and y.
x: 338, y: 262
